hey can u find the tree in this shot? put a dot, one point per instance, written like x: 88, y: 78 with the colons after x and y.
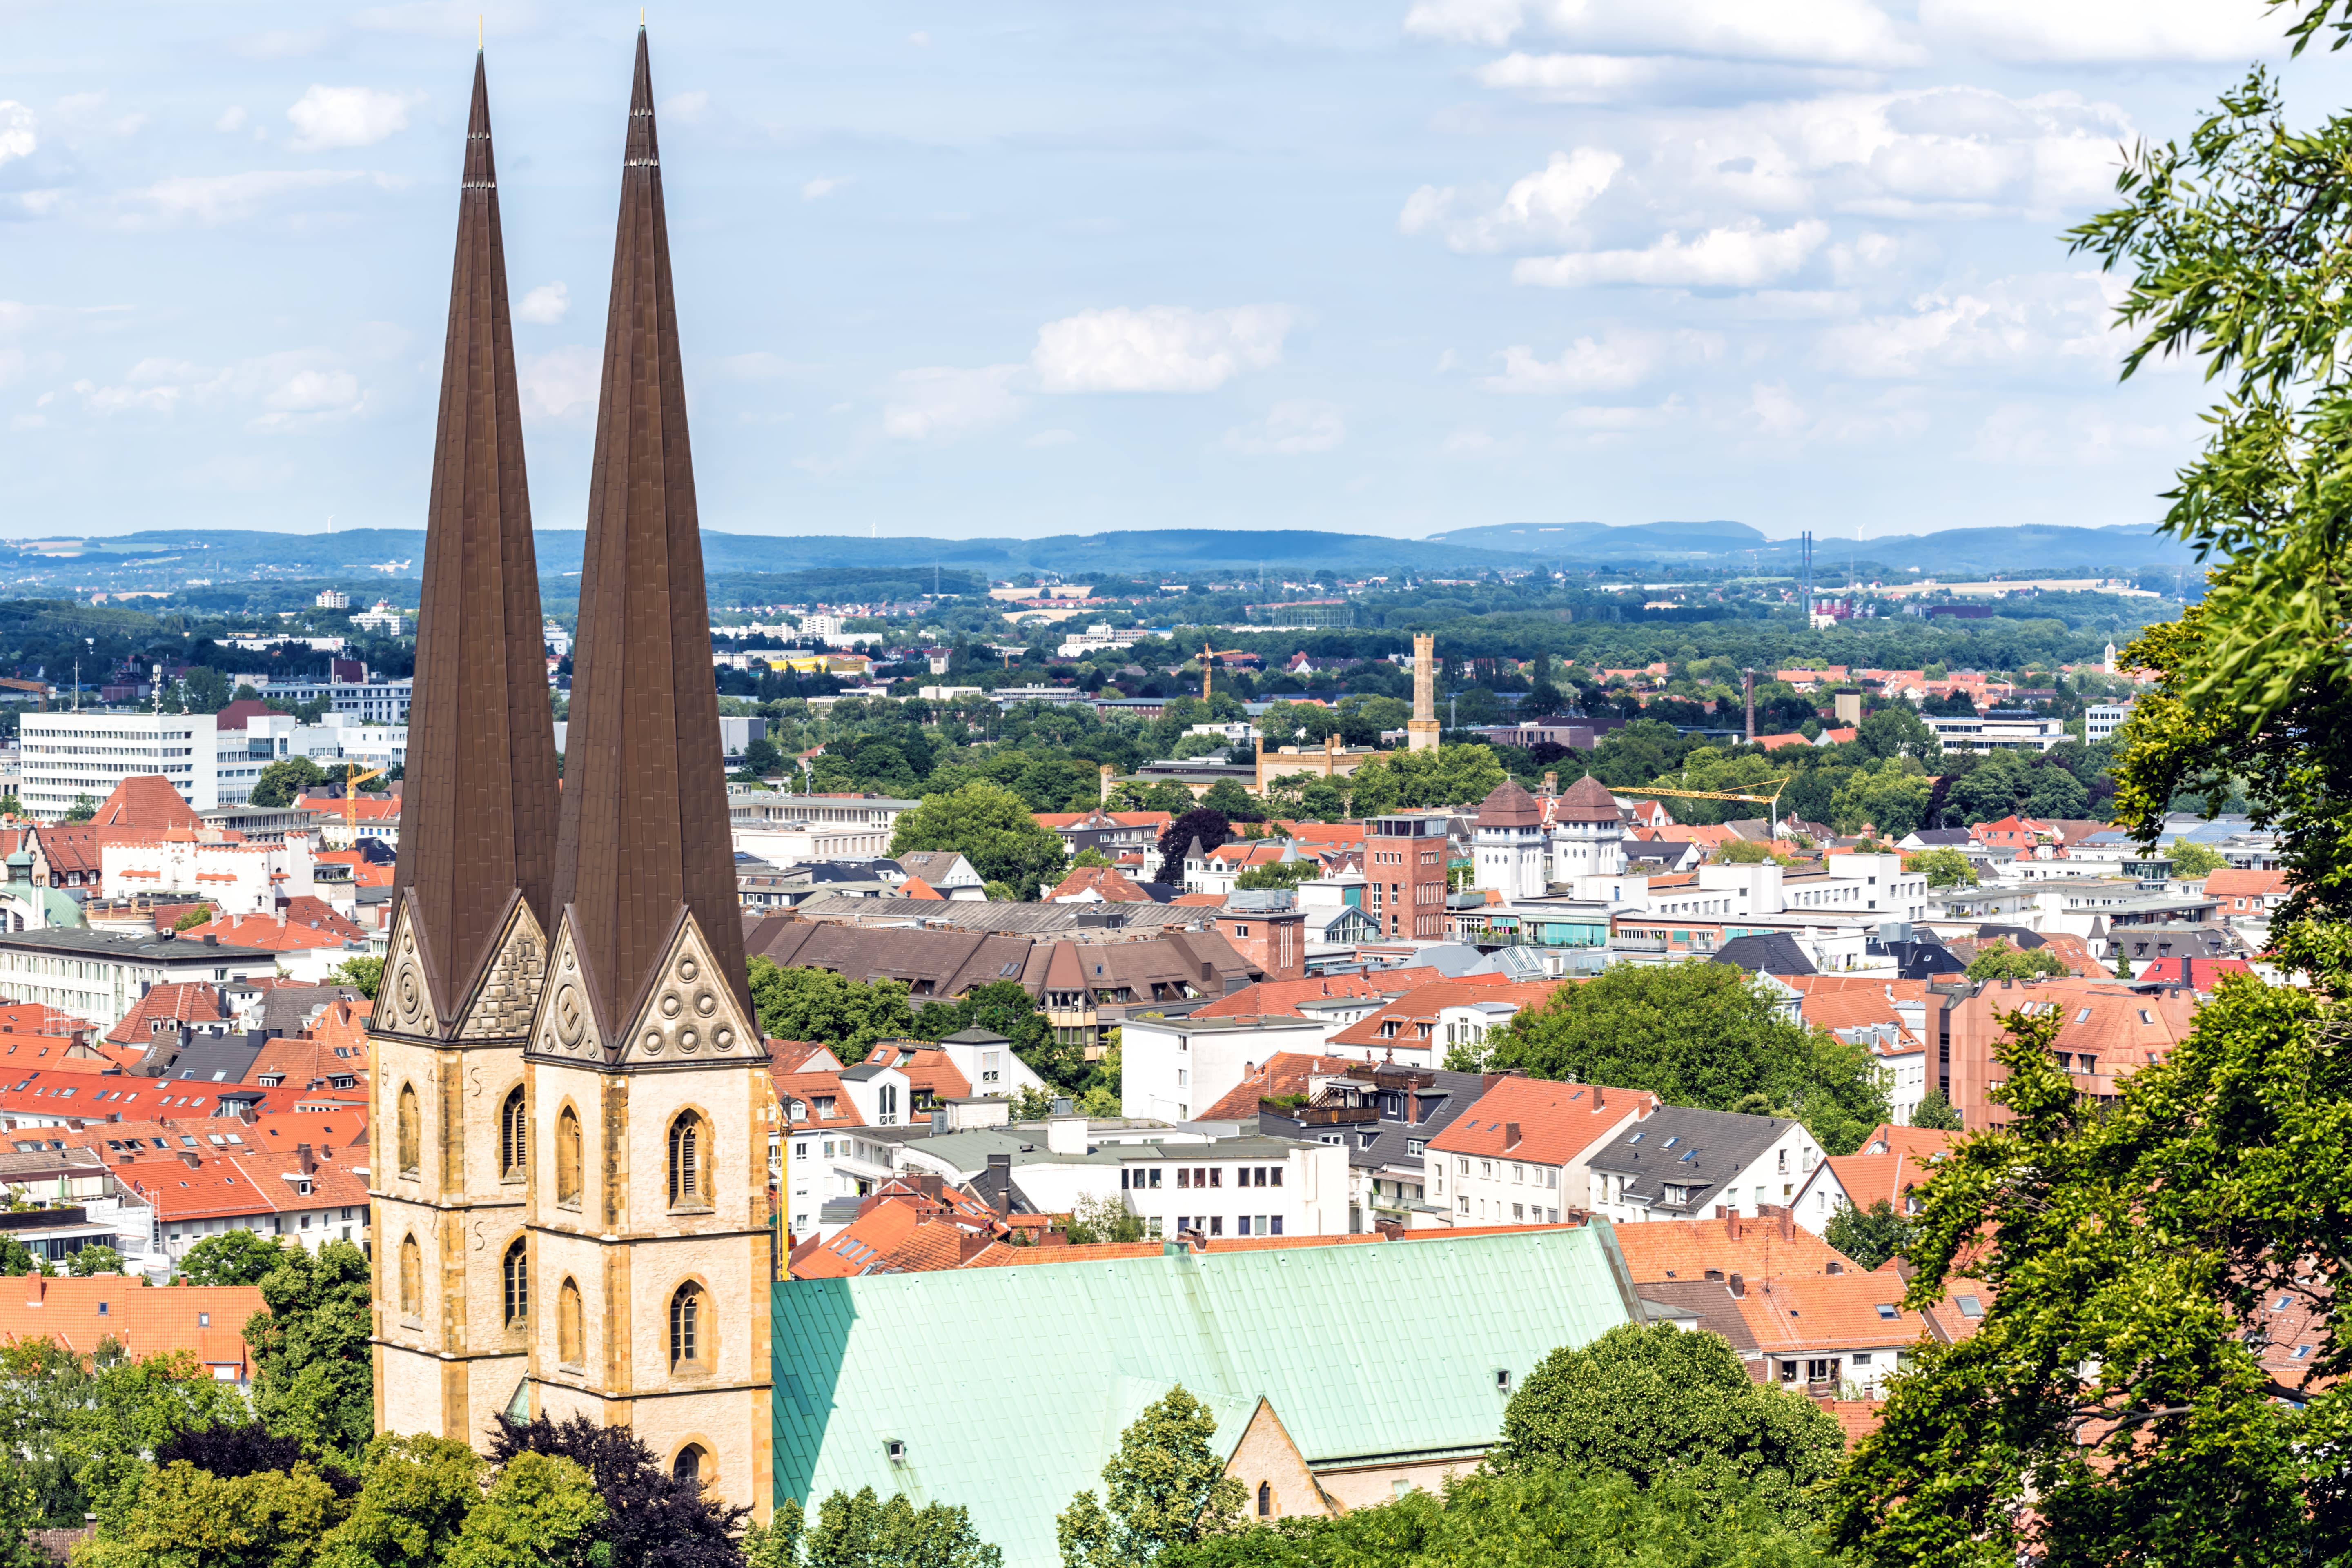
x: 232, y: 1257
x: 1999, y: 961
x: 1653, y: 1402
x: 864, y: 1532
x: 1870, y: 1237
x: 2230, y: 246
x: 818, y: 1004
x: 182, y: 1517
x: 1228, y: 798
x: 313, y: 1365
x: 1204, y: 823
x: 1702, y: 1035
x: 2136, y: 1259
x: 653, y: 1519
x: 280, y: 783
x: 1944, y: 867
x: 203, y: 691
x: 991, y: 828
x: 417, y: 1493
x: 364, y: 975
x: 1166, y: 1485
x: 1744, y: 852
x: 1278, y: 874
x: 543, y: 1511
x: 1088, y: 857
x: 85, y: 806
x: 92, y: 1261
x: 2192, y: 862
x: 1100, y: 1218
x: 1934, y: 1111
x: 1897, y: 731
x: 197, y: 915
x: 1885, y: 796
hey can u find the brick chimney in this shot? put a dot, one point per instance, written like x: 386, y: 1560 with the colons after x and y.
x: 304, y: 1161
x: 1731, y: 1226
x: 1600, y: 1098
x: 189, y: 1158
x: 36, y: 1287
x: 1738, y: 1284
x: 1510, y: 1136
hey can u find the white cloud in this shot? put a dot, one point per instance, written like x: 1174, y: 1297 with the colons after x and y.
x: 1824, y: 32
x: 328, y: 117
x: 1160, y: 348
x: 224, y: 198
x: 231, y: 119
x: 2032, y: 323
x: 2044, y: 437
x: 546, y: 304
x: 1291, y: 429
x: 1743, y: 258
x: 1621, y: 419
x: 824, y: 185
x: 1539, y: 210
x: 1054, y: 437
x: 942, y: 402
x: 559, y: 385
x: 2107, y: 31
x: 1617, y: 359
x: 311, y: 398
x: 17, y: 137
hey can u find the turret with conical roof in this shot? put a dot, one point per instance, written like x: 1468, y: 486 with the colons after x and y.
x: 479, y: 802
x: 645, y: 837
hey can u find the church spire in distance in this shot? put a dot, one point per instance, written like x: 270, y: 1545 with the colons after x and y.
x: 479, y: 801
x: 644, y: 834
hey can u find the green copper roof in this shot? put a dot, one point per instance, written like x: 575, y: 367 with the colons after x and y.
x: 1009, y: 1388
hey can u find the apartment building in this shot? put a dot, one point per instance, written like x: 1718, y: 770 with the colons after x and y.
x: 1521, y: 1154
x: 70, y: 758
x: 1405, y: 874
x: 1999, y: 731
x: 1681, y: 1163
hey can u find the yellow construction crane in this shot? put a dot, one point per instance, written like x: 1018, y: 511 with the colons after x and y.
x: 1771, y: 801
x: 1208, y: 655
x: 351, y: 804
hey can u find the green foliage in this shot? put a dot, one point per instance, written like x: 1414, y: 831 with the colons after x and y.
x: 1237, y: 805
x: 16, y: 1258
x: 1100, y: 1218
x: 1278, y: 874
x: 187, y: 1518
x: 78, y: 1427
x: 1399, y: 781
x: 1944, y: 867
x: 1546, y: 1518
x: 543, y: 1511
x: 1999, y: 961
x: 1870, y: 1237
x: 1165, y: 1486
x: 20, y: 1515
x: 818, y: 1004
x: 2113, y: 1404
x: 1701, y: 1035
x: 195, y: 917
x: 1934, y: 1111
x: 1891, y: 798
x: 1654, y: 1402
x: 864, y: 1531
x: 991, y: 828
x: 232, y: 1257
x: 362, y: 974
x: 85, y: 806
x: 1088, y: 857
x: 313, y: 1366
x: 280, y: 783
x: 92, y: 1261
x: 418, y: 1492
x: 2192, y: 861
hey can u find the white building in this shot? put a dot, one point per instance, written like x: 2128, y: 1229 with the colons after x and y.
x: 1250, y: 1185
x: 2101, y: 719
x: 67, y: 755
x: 790, y: 830
x: 101, y: 977
x: 239, y: 755
x: 1587, y: 833
x: 383, y: 618
x: 1680, y: 1162
x: 385, y: 701
x: 1508, y: 851
x: 240, y: 879
x: 1520, y: 1153
x: 332, y: 599
x: 1999, y: 733
x: 1172, y: 1068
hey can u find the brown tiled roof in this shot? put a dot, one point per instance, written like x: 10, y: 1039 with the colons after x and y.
x: 1510, y: 806
x: 1586, y: 800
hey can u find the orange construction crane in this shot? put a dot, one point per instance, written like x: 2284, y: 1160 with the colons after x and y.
x: 351, y: 804
x: 1208, y: 655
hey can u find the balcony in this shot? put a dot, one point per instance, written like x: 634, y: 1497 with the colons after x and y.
x: 1322, y: 1115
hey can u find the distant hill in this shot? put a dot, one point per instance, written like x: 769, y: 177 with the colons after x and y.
x: 160, y: 559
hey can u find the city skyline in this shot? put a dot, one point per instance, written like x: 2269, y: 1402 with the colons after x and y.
x: 1395, y: 271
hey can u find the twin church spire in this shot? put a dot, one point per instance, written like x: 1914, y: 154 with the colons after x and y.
x: 637, y: 834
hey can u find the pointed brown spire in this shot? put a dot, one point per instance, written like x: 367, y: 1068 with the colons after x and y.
x: 479, y: 796
x: 645, y: 835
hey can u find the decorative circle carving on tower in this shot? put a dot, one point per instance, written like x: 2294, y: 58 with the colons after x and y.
x: 671, y: 1006
x: 687, y: 970
x: 410, y: 1001
x: 687, y: 1039
x: 651, y: 1042
x: 571, y: 1017
x: 706, y: 1004
x: 723, y: 1037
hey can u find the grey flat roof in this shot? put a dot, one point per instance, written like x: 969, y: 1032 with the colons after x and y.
x: 1190, y: 1026
x: 146, y: 949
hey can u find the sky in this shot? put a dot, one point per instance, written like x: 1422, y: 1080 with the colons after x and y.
x: 1035, y: 267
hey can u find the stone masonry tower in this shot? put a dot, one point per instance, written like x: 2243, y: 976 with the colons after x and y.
x: 649, y: 1214
x: 1421, y: 729
x: 467, y: 944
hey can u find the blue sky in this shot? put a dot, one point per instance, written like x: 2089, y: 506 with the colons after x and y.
x: 1381, y: 265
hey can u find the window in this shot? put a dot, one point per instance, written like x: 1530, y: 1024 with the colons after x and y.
x: 410, y: 1132
x: 567, y: 1324
x: 686, y: 1328
x: 567, y: 1157
x: 412, y: 1279
x: 1264, y: 1500
x: 514, y: 1137
x: 516, y: 1271
x: 687, y: 1466
x: 1184, y: 1175
x: 688, y: 1187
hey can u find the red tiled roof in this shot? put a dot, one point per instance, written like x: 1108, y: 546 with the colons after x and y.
x: 1851, y: 1310
x: 1416, y: 1013
x: 1555, y: 1122
x: 1104, y: 880
x: 146, y: 800
x: 192, y: 1002
x: 2199, y: 974
x: 810, y: 1087
x: 1281, y: 997
x: 929, y: 1069
x: 1664, y: 1249
x: 2232, y: 882
x: 1284, y: 1072
x: 206, y: 1320
x: 306, y: 922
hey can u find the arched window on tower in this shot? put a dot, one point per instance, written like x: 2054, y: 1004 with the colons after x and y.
x: 412, y: 1279
x: 517, y: 1270
x: 514, y: 1137
x: 689, y: 1465
x: 567, y: 1157
x: 411, y: 1133
x: 1265, y: 1500
x: 686, y: 1328
x: 689, y: 1158
x: 567, y: 1324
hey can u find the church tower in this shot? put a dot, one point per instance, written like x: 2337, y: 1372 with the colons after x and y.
x: 473, y: 888
x: 1422, y: 729
x: 650, y: 1238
